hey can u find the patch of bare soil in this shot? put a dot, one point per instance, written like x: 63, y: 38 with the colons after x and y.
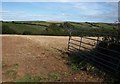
x: 38, y: 56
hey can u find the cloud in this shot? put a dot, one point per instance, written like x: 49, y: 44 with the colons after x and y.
x: 88, y: 8
x: 12, y: 13
x: 105, y: 12
x: 21, y: 15
x: 97, y: 10
x: 4, y: 11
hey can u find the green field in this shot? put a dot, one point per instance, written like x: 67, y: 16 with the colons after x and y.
x: 54, y: 28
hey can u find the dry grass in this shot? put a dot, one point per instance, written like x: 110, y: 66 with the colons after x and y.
x: 37, y: 55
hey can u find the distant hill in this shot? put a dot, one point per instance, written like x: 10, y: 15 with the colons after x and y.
x: 54, y: 28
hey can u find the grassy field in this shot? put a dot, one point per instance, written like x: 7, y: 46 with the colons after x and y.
x: 21, y: 28
x: 54, y: 28
x: 45, y: 58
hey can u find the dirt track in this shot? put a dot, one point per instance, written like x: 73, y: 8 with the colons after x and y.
x: 38, y: 55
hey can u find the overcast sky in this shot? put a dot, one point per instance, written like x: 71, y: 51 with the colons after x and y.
x: 60, y: 11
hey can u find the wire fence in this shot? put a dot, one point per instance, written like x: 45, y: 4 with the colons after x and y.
x: 96, y: 50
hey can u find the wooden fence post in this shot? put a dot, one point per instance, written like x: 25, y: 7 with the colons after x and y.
x: 69, y: 40
x: 80, y: 42
x: 97, y: 40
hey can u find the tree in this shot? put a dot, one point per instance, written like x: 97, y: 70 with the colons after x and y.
x: 7, y: 30
x: 27, y: 33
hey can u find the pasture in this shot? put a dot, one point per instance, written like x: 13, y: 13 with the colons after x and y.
x: 40, y: 58
x: 36, y: 51
x: 53, y: 28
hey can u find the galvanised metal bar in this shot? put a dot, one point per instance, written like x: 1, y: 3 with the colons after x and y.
x: 111, y: 64
x: 100, y: 53
x: 73, y: 47
x: 87, y: 43
x: 90, y: 59
x: 74, y: 44
x: 75, y: 40
x: 103, y: 59
x: 109, y: 50
x: 91, y: 38
x: 99, y: 40
x: 97, y: 46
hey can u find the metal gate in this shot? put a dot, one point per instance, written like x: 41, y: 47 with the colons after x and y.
x: 90, y: 49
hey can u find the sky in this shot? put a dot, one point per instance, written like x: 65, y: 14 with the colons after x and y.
x: 60, y: 0
x: 60, y: 11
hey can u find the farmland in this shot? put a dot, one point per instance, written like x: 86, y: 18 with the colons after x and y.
x: 54, y: 28
x: 35, y: 51
x: 62, y: 41
x: 40, y: 58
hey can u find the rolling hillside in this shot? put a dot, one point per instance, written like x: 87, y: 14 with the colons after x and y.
x: 52, y: 28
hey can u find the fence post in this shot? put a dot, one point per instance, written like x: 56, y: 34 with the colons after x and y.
x: 80, y: 42
x: 97, y: 40
x: 69, y: 40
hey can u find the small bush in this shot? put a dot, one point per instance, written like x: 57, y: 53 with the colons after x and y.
x: 27, y: 33
x: 105, y: 46
x: 7, y: 30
